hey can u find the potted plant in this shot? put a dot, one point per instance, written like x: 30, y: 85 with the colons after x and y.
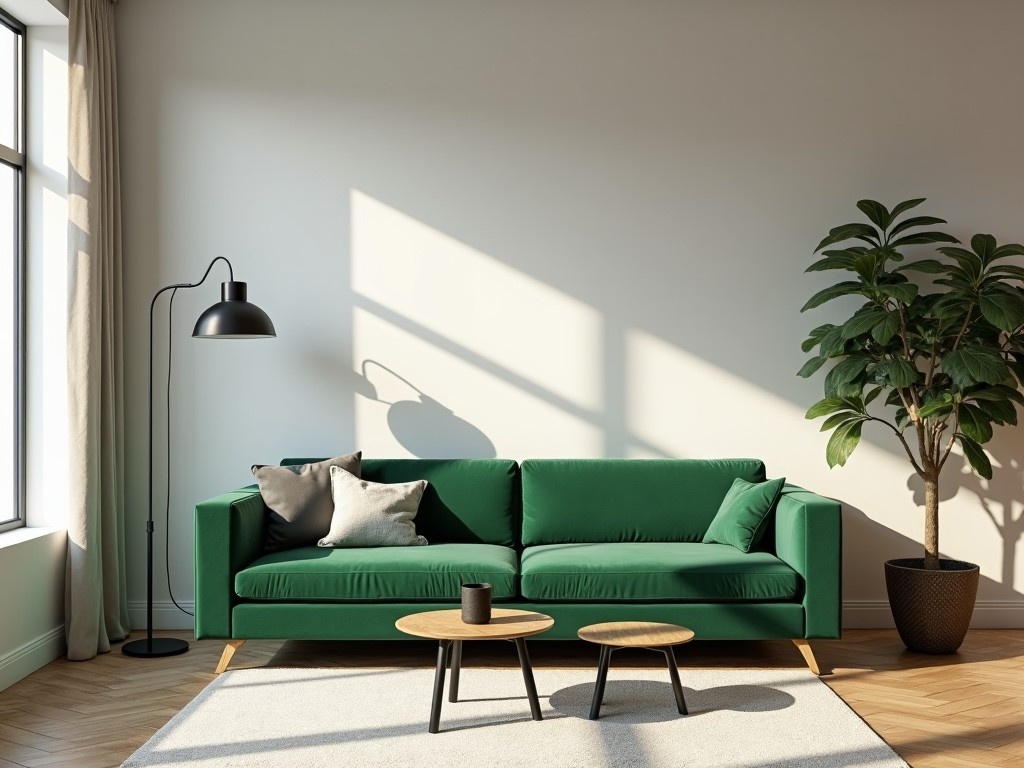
x: 938, y: 366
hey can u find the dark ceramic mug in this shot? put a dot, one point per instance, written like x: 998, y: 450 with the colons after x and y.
x: 476, y: 603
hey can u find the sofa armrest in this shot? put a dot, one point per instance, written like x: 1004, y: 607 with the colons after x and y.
x: 808, y: 537
x: 229, y: 535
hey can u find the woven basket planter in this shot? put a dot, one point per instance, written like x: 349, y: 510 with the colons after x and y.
x: 932, y: 609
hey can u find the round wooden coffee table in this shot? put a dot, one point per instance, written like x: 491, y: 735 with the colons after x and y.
x: 615, y: 635
x: 448, y: 628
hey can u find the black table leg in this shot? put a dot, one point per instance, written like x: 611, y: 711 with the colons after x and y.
x: 453, y: 686
x: 602, y: 677
x: 531, y: 687
x: 442, y: 663
x: 673, y: 673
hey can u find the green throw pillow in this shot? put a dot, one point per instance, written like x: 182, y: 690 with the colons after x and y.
x: 743, y: 517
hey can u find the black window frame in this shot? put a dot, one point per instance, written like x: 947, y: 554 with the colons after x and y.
x: 15, y: 157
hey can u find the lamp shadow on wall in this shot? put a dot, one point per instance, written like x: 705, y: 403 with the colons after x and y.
x: 423, y: 425
x: 495, y: 345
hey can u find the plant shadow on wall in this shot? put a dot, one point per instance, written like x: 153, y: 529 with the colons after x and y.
x: 421, y: 424
x: 1001, y: 498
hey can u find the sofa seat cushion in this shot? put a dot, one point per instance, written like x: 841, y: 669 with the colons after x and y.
x: 651, y: 571
x: 434, y: 572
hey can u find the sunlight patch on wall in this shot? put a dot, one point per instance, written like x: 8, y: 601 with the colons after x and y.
x: 419, y: 400
x: 55, y: 104
x: 688, y: 407
x: 487, y: 307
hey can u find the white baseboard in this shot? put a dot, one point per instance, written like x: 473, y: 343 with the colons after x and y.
x: 165, y: 615
x: 988, y: 614
x: 33, y: 655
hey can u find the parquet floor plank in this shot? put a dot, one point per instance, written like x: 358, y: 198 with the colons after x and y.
x: 960, y: 711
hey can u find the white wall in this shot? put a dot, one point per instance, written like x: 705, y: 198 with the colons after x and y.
x: 32, y: 558
x: 576, y: 228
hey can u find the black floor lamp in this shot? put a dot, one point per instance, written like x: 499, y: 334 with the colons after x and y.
x: 233, y: 317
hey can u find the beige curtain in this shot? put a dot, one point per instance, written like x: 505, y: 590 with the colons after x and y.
x: 96, y: 608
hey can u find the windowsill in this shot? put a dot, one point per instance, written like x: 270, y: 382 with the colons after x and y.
x: 28, y: 533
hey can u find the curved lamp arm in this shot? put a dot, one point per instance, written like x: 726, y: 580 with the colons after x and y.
x: 233, y: 317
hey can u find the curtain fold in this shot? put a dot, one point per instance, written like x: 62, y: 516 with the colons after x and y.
x: 96, y: 606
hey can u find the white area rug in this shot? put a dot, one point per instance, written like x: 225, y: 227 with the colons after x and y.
x: 378, y: 717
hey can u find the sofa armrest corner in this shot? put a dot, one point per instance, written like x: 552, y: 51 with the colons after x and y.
x: 229, y: 534
x: 808, y: 537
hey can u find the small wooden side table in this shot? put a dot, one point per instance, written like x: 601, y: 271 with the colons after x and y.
x: 448, y: 628
x: 615, y: 635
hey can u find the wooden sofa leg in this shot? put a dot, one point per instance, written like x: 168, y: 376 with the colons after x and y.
x: 805, y: 650
x: 229, y: 651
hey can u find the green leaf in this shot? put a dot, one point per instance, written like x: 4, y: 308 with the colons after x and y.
x: 816, y: 336
x: 974, y: 423
x: 915, y: 221
x: 830, y: 262
x: 844, y: 288
x: 968, y: 261
x: 832, y: 343
x: 1010, y: 249
x: 976, y: 456
x: 984, y: 246
x: 931, y: 266
x: 825, y: 407
x: 999, y: 411
x: 875, y: 211
x: 905, y: 206
x: 862, y: 322
x: 886, y: 328
x: 904, y: 292
x: 923, y: 238
x: 998, y: 392
x: 938, y: 408
x: 902, y: 373
x: 863, y: 232
x: 811, y: 367
x: 866, y: 265
x: 836, y: 419
x: 1003, y: 307
x: 839, y: 379
x: 842, y: 443
x: 1011, y: 271
x: 872, y: 395
x: 971, y: 365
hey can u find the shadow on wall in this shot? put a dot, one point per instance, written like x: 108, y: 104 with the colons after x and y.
x: 862, y: 534
x: 423, y: 425
x: 1001, y: 498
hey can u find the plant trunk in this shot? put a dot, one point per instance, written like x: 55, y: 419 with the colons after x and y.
x: 931, y: 520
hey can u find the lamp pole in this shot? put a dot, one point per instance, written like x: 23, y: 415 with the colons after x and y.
x: 233, y: 317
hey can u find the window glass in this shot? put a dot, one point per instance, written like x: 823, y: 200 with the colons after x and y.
x: 12, y: 100
x: 10, y: 60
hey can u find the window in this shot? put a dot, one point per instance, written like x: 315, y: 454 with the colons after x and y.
x: 12, y: 198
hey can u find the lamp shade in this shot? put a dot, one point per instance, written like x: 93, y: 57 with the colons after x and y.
x: 234, y: 317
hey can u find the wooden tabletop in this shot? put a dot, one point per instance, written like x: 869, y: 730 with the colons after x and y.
x: 505, y: 624
x: 636, y: 634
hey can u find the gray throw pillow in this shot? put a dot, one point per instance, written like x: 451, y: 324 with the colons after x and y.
x: 370, y: 514
x: 299, y: 500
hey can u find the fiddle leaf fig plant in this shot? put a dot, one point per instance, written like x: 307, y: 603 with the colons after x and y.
x: 947, y: 359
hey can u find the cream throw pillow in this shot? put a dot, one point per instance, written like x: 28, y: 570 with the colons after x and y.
x: 370, y: 514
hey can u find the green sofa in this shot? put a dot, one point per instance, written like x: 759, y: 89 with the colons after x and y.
x: 582, y: 540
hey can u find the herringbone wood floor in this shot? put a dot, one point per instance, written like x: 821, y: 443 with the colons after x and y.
x: 963, y: 710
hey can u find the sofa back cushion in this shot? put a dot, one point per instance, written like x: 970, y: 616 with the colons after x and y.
x: 609, y: 500
x: 467, y: 501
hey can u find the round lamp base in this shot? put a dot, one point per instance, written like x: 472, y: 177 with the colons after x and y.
x: 154, y: 647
